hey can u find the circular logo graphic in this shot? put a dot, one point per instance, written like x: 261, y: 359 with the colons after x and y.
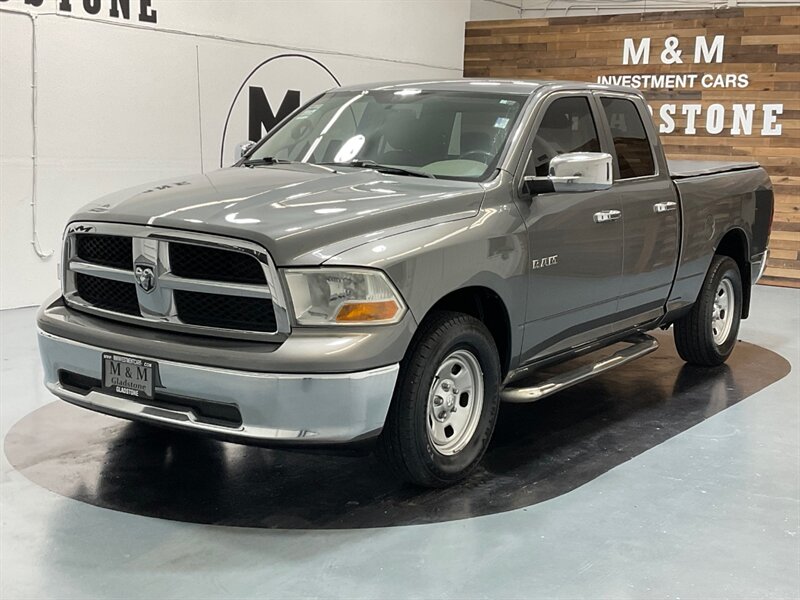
x: 272, y: 91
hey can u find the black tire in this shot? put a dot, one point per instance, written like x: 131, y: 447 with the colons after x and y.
x: 694, y: 332
x: 405, y: 443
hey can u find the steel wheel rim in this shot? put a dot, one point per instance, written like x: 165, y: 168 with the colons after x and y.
x: 723, y: 311
x: 455, y: 402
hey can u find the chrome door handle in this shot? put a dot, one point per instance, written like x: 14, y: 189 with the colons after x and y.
x: 604, y: 216
x: 663, y: 207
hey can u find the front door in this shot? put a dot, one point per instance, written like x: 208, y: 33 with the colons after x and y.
x: 575, y: 240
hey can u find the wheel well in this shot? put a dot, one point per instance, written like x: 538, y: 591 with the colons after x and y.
x: 734, y: 245
x: 486, y: 306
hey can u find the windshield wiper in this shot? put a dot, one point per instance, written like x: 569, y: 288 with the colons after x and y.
x: 392, y: 170
x: 266, y: 160
x: 271, y: 160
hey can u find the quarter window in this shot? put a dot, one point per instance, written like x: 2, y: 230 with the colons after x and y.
x: 634, y: 155
x: 567, y: 126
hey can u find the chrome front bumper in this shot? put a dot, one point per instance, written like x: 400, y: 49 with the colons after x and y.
x: 291, y: 408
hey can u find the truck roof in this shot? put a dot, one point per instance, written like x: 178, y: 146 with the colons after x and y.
x: 503, y: 86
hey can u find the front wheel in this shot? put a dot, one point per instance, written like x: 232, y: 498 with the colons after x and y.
x: 707, y: 334
x: 445, y: 402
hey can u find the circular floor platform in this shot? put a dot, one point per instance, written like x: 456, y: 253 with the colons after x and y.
x: 539, y: 451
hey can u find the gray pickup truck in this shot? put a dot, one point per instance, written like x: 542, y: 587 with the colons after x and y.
x: 392, y: 261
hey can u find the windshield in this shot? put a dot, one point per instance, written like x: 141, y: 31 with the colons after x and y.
x: 449, y: 135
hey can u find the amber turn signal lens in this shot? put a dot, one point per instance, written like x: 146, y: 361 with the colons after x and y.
x: 352, y: 312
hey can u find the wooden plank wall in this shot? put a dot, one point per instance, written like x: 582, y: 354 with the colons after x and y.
x: 763, y: 43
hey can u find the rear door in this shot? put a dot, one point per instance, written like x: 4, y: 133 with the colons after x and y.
x: 650, y: 210
x: 575, y: 260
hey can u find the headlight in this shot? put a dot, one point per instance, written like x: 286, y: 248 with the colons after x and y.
x: 343, y: 297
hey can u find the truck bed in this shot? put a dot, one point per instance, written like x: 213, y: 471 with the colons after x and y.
x: 682, y: 169
x: 716, y: 197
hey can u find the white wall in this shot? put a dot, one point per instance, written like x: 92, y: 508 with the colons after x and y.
x: 487, y: 10
x: 123, y: 102
x: 534, y: 9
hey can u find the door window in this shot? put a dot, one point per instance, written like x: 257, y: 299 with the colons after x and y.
x: 634, y: 155
x: 567, y: 126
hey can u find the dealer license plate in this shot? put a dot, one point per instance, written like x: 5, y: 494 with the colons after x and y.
x: 129, y: 376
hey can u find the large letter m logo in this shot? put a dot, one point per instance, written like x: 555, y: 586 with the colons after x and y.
x: 260, y: 113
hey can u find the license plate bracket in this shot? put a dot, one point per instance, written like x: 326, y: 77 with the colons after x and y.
x: 129, y: 376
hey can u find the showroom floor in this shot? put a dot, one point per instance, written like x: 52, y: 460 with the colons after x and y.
x: 639, y: 499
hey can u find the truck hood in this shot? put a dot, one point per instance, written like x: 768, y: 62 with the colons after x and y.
x: 302, y: 214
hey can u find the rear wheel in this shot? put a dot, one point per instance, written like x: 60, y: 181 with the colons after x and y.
x: 445, y: 402
x: 707, y: 335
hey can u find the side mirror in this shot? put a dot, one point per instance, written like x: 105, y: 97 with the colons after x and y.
x: 574, y: 172
x: 242, y: 149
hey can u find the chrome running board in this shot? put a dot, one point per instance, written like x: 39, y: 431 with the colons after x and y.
x: 641, y: 345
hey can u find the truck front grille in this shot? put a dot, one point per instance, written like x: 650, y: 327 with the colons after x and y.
x: 227, y: 312
x: 108, y: 250
x: 174, y: 280
x: 202, y: 262
x: 107, y: 294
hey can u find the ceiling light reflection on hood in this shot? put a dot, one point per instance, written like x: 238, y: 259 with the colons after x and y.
x: 234, y: 218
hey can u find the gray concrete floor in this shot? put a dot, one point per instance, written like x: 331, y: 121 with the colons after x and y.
x: 712, y: 513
